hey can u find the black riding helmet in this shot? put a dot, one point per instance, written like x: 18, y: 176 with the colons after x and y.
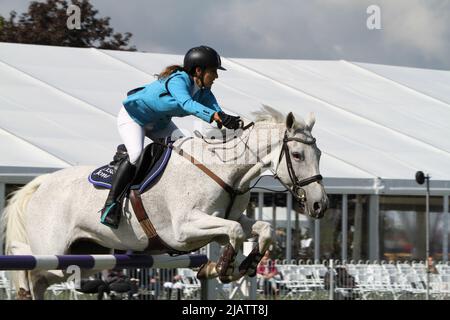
x: 203, y: 57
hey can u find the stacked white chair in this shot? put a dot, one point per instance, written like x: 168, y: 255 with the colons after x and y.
x: 191, y: 285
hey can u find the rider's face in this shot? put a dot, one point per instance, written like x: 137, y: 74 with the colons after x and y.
x: 209, y: 75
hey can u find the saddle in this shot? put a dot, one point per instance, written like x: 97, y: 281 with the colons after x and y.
x: 149, y: 167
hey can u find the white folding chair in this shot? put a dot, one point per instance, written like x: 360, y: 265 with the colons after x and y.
x: 5, y: 284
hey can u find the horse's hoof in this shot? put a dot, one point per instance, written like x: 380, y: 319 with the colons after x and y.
x: 249, y: 265
x: 202, y: 273
x: 251, y: 273
x: 207, y: 271
x: 23, y: 294
x: 249, y: 270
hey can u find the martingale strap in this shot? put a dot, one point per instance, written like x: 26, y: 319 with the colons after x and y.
x: 205, y: 169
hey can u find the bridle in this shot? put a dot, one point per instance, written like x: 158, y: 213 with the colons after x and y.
x: 297, y: 191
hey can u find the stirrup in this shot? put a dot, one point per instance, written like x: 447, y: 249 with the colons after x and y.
x: 107, y: 210
x: 104, y: 217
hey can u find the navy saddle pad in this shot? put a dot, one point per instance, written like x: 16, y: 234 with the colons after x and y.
x: 102, y: 177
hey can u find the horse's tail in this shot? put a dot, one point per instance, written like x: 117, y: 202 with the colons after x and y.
x: 13, y: 224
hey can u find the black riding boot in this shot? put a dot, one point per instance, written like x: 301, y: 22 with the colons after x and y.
x: 112, y: 211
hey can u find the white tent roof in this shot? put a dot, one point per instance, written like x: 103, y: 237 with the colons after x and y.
x: 376, y: 125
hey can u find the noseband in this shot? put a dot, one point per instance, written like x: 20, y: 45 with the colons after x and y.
x: 297, y: 191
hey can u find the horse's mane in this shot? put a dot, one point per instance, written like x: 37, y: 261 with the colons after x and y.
x: 269, y: 114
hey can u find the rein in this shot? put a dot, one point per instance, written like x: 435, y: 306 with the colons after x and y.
x: 224, y: 140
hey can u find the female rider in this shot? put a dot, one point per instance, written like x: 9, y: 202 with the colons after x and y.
x: 178, y: 92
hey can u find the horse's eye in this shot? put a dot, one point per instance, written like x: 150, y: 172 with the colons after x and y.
x: 298, y: 156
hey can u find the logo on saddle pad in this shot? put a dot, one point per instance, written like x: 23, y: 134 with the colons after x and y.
x: 105, y: 173
x: 149, y: 167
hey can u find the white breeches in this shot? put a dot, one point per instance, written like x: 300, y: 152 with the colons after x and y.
x: 133, y: 134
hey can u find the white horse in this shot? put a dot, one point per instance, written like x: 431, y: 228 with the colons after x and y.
x: 58, y: 213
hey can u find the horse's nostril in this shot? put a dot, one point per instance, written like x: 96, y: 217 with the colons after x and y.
x: 316, y: 206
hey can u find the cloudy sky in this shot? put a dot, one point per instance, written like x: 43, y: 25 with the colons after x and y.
x: 413, y: 32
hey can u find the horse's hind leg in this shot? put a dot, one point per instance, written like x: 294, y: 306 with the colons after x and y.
x: 38, y: 286
x: 41, y: 280
x: 20, y: 278
x: 31, y: 284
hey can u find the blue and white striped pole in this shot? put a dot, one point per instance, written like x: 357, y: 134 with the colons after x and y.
x: 99, y: 262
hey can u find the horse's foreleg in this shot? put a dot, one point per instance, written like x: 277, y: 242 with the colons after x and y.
x: 265, y: 237
x: 262, y: 229
x: 201, y: 226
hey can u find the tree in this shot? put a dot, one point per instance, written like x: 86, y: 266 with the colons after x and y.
x: 46, y: 23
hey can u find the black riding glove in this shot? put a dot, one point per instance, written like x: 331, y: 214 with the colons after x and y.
x: 229, y: 121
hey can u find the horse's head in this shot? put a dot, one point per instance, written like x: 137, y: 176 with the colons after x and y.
x: 297, y: 166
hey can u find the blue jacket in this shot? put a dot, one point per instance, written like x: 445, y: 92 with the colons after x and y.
x: 154, y: 106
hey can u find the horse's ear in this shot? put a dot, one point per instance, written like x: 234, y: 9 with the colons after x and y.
x: 310, y: 121
x: 290, y: 120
